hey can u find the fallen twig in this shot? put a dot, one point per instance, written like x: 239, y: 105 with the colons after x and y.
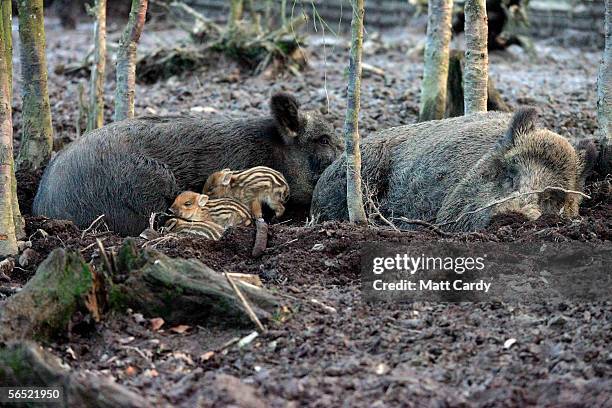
x: 228, y: 344
x: 152, y: 221
x: 91, y: 226
x: 372, y: 69
x: 90, y: 246
x: 323, y: 305
x: 245, y: 303
x: 157, y: 241
x: 373, y: 207
x: 430, y: 226
x: 104, y: 256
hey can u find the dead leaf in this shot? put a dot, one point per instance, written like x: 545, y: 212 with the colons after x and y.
x: 180, y: 329
x: 247, y: 339
x: 71, y: 353
x: 126, y: 340
x: 151, y: 373
x: 6, y: 267
x: 130, y: 371
x: 508, y: 343
x: 382, y: 369
x: 156, y: 323
x: 207, y: 356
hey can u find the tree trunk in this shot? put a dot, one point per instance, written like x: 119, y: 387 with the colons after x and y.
x: 126, y: 61
x: 235, y: 15
x: 604, y: 82
x: 7, y: 24
x: 8, y: 239
x: 255, y: 16
x: 24, y: 364
x: 283, y: 12
x: 433, y: 89
x: 95, y: 118
x: 476, y: 74
x: 354, y: 196
x: 37, y: 136
x: 7, y: 28
x: 454, y: 93
x: 62, y: 286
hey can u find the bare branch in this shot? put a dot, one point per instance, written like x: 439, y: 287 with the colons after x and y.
x: 245, y: 303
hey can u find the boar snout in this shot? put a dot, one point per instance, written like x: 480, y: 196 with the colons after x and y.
x: 527, y: 206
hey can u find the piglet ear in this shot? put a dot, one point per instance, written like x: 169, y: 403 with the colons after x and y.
x: 202, y: 200
x: 286, y: 111
x: 227, y: 178
x: 522, y: 122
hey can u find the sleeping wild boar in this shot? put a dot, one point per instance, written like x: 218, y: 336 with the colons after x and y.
x: 448, y: 170
x: 130, y: 169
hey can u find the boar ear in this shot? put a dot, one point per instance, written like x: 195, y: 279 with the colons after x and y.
x: 522, y: 122
x: 587, y: 151
x: 286, y: 111
x: 202, y: 200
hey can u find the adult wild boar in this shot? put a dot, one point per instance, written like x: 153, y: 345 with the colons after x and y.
x: 130, y: 169
x: 442, y: 171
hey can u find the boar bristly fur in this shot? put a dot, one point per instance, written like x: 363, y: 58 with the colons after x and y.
x: 129, y: 169
x: 440, y: 170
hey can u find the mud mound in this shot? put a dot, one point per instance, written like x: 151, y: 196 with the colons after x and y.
x: 27, y: 185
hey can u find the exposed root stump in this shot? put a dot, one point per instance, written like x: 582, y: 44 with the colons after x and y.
x: 63, y: 285
x: 184, y: 291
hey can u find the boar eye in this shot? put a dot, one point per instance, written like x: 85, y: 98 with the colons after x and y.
x: 188, y: 203
x: 324, y: 141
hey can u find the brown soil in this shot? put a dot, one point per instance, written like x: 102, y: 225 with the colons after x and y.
x: 361, y: 354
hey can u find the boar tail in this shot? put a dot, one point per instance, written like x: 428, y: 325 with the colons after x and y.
x: 523, y: 121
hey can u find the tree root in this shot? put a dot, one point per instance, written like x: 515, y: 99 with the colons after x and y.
x: 180, y: 290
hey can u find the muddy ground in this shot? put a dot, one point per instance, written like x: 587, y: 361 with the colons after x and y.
x: 348, y: 352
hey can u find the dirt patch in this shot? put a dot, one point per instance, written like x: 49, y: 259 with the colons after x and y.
x: 27, y: 184
x: 340, y: 349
